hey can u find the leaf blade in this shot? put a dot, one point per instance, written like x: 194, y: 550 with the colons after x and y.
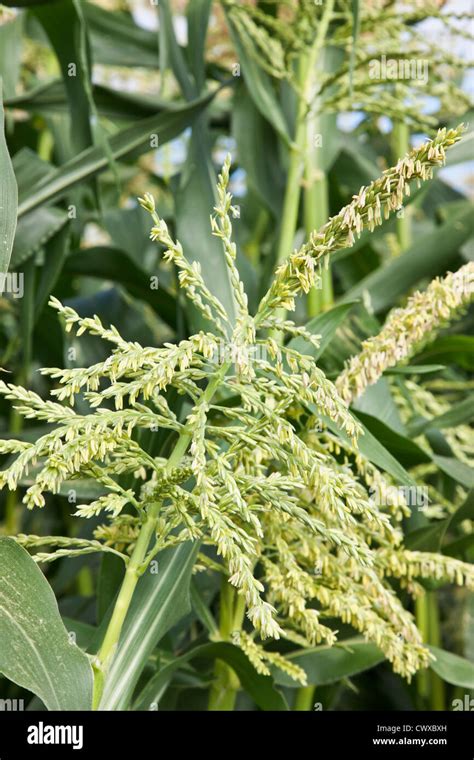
x: 89, y: 162
x: 50, y: 665
x: 159, y: 602
x: 8, y: 198
x: 452, y: 668
x: 324, y: 665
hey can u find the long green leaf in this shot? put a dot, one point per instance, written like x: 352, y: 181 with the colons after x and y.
x: 35, y: 651
x: 325, y: 665
x: 198, y: 12
x: 50, y: 98
x: 461, y: 414
x: 405, y: 450
x: 166, y: 125
x: 197, y: 195
x: 251, y: 130
x: 10, y: 53
x: 113, y: 264
x: 34, y: 230
x: 325, y: 325
x: 426, y: 539
x: 415, y: 369
x: 431, y: 537
x: 159, y: 602
x: 260, y: 88
x: 29, y: 169
x: 174, y: 53
x: 377, y: 401
x: 194, y: 202
x: 55, y: 255
x: 450, y: 349
x: 8, y: 197
x: 376, y: 452
x: 117, y: 41
x: 463, y: 150
x: 455, y: 469
x: 452, y: 668
x: 259, y: 687
x: 63, y: 23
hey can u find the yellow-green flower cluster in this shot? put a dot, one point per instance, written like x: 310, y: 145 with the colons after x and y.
x: 367, y: 210
x: 406, y: 330
x: 392, y: 34
x: 285, y: 515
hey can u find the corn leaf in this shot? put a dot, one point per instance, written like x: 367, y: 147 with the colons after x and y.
x: 35, y: 650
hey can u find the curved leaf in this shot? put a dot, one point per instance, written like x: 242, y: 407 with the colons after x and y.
x: 260, y: 88
x: 166, y: 124
x: 325, y: 325
x: 325, y: 664
x: 460, y: 414
x: 450, y: 349
x: 455, y: 469
x: 10, y: 53
x: 35, y: 651
x: 34, y: 230
x: 251, y: 130
x: 404, y: 449
x: 198, y: 12
x: 8, y: 197
x: 374, y: 450
x: 159, y: 602
x: 194, y: 202
x: 113, y: 264
x: 259, y: 687
x: 117, y: 41
x: 452, y: 668
x: 64, y: 26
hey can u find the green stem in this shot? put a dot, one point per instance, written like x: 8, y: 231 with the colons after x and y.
x: 295, y: 171
x: 437, y: 691
x: 134, y: 567
x: 316, y: 213
x: 430, y: 686
x: 239, y: 613
x: 226, y: 684
x: 422, y: 622
x: 304, y: 698
x: 401, y: 146
x: 296, y: 168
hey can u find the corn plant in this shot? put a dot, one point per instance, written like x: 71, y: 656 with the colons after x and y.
x: 262, y: 497
x: 236, y: 454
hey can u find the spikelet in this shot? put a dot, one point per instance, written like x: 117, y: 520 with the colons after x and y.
x: 406, y: 330
x: 386, y: 194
